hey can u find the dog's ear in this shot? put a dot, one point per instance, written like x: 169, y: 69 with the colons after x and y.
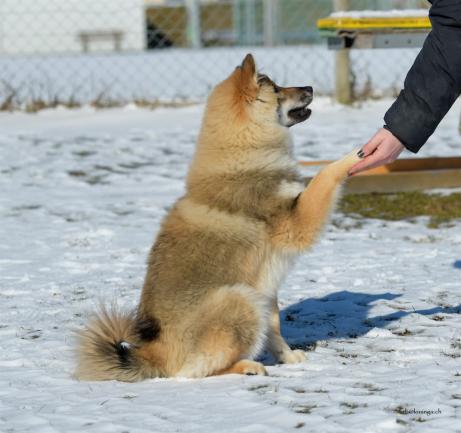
x: 249, y: 66
x: 247, y: 79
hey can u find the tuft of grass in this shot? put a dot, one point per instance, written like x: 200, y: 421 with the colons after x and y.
x: 348, y: 355
x: 452, y: 354
x: 298, y: 390
x: 12, y: 99
x: 403, y: 333
x: 441, y: 209
x: 304, y: 408
x: 400, y: 410
x: 456, y: 344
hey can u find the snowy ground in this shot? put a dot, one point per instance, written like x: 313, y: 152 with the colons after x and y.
x: 377, y: 303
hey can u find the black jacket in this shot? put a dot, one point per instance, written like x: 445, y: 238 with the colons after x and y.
x: 434, y: 81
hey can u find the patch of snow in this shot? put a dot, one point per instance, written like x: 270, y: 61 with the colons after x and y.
x: 393, y: 13
x: 83, y: 194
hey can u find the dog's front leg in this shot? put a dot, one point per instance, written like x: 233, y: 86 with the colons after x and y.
x: 277, y: 345
x: 299, y: 228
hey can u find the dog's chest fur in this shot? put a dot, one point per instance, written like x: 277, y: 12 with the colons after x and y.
x: 274, y: 268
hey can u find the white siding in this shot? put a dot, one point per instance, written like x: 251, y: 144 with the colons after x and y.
x: 53, y: 26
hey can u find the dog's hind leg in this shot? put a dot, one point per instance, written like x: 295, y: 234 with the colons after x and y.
x: 276, y: 343
x: 229, y: 326
x: 299, y: 228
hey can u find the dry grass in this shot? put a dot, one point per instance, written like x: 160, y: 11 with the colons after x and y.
x: 441, y: 209
x: 37, y: 105
x: 15, y: 99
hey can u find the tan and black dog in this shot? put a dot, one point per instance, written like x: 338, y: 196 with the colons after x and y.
x: 209, y: 301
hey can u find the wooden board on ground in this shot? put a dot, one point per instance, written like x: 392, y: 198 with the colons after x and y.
x: 404, y: 175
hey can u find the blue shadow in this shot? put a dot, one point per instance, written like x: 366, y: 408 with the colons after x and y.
x: 457, y: 264
x: 341, y: 315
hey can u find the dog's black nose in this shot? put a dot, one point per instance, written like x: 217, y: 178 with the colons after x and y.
x: 308, y: 89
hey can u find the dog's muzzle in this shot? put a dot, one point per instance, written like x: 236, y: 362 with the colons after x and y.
x: 300, y: 112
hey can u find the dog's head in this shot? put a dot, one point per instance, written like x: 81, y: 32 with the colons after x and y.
x: 256, y: 96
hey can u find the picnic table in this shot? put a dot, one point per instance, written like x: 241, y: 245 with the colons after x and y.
x: 376, y: 30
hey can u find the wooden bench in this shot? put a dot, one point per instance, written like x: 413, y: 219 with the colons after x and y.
x: 374, y: 29
x: 87, y: 37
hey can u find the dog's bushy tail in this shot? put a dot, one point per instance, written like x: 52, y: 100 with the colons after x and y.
x: 107, y: 347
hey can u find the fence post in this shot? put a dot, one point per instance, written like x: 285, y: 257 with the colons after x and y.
x: 237, y: 21
x: 270, y: 22
x: 343, y: 84
x: 193, y: 23
x: 250, y: 22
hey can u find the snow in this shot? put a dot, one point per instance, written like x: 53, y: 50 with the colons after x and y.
x: 393, y: 13
x: 376, y: 303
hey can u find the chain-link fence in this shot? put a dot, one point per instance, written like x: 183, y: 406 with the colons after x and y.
x: 116, y: 51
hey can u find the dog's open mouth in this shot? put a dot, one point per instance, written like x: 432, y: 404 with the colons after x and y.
x: 299, y: 114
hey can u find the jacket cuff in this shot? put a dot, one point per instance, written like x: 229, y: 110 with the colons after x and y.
x: 407, y: 124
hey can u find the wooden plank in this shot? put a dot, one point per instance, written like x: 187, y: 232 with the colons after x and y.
x: 404, y: 164
x: 349, y: 23
x: 369, y: 40
x: 403, y: 175
x: 404, y: 181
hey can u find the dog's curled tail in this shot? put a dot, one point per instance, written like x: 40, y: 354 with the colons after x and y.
x: 107, y: 347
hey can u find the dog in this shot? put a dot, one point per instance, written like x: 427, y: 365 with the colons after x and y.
x: 209, y: 301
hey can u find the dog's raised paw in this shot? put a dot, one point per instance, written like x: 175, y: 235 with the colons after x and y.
x: 353, y: 157
x: 340, y: 168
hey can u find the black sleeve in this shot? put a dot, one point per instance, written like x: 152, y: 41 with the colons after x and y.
x: 434, y: 81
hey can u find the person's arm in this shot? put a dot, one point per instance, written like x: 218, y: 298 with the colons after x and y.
x: 431, y: 87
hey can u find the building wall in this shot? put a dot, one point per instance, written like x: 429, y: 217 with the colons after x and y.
x: 54, y: 26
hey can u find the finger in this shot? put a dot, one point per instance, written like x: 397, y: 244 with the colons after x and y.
x: 374, y: 160
x: 372, y: 144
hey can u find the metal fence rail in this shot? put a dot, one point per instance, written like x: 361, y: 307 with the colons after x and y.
x: 115, y: 51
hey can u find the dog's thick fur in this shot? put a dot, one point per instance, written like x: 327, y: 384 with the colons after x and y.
x: 209, y: 301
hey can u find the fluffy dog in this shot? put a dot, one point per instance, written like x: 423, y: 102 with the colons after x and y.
x: 209, y: 301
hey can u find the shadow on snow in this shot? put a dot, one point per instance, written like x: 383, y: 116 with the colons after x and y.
x: 342, y: 315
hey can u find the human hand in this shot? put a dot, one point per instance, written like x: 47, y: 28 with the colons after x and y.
x: 382, y: 148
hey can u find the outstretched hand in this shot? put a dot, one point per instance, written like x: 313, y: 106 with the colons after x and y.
x: 382, y: 148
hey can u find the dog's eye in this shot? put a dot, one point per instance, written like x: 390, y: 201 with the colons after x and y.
x: 262, y: 79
